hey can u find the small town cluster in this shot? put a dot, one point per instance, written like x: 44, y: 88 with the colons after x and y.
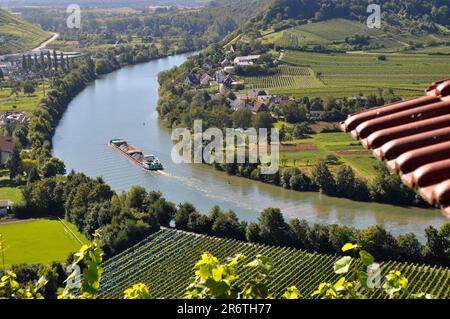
x: 221, y: 79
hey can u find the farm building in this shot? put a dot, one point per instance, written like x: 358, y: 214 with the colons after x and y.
x: 246, y: 60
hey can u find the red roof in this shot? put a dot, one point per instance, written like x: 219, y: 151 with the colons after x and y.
x: 6, y: 144
x: 413, y: 137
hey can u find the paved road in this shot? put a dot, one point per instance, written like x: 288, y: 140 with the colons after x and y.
x: 47, y: 42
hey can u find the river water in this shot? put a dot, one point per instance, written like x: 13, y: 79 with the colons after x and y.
x: 123, y: 105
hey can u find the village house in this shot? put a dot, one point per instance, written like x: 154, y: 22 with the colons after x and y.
x: 206, y: 80
x: 317, y: 109
x: 260, y: 107
x: 220, y: 77
x: 225, y: 63
x: 6, y: 146
x: 239, y: 104
x: 246, y: 60
x: 5, y: 206
x: 281, y: 100
x: 228, y: 82
x: 208, y: 65
x: 265, y: 98
x: 192, y: 79
x: 9, y: 117
x: 229, y: 69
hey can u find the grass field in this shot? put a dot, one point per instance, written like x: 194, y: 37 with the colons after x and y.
x: 346, y: 75
x: 306, y: 153
x: 39, y: 241
x: 19, y: 35
x: 21, y: 101
x: 9, y: 190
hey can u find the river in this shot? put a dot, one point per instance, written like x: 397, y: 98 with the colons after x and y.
x: 123, y: 104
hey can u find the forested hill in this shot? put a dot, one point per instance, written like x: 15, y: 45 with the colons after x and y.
x: 17, y: 35
x: 411, y: 14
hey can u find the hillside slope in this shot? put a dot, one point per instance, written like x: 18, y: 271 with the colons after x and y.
x: 16, y: 35
x: 165, y: 261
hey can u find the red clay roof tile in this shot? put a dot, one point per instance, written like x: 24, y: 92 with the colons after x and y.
x: 413, y: 136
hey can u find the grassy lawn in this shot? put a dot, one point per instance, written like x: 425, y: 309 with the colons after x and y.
x: 306, y: 153
x: 9, y: 189
x: 39, y: 241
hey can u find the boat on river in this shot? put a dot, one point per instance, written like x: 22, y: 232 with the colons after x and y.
x: 147, y: 162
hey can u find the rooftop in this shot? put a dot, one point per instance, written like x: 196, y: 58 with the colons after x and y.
x: 413, y: 138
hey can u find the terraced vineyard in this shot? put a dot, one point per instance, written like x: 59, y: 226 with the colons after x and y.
x: 17, y: 35
x: 165, y: 262
x: 350, y: 74
x: 286, y: 77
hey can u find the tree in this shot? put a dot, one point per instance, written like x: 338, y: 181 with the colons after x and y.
x: 301, y: 130
x: 345, y: 181
x: 15, y: 164
x: 136, y: 197
x: 273, y: 228
x: 323, y: 178
x: 163, y: 210
x: 301, y: 234
x: 300, y: 181
x: 378, y: 241
x: 182, y: 215
x: 242, y: 118
x: 262, y: 120
x: 409, y: 248
x: 33, y: 176
x: 53, y: 167
x: 28, y: 88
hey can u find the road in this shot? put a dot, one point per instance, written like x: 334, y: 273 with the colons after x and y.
x: 45, y: 43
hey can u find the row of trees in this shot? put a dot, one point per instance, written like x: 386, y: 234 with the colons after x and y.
x: 46, y: 63
x: 128, y: 218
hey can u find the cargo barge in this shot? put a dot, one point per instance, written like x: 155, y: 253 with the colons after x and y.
x: 147, y: 162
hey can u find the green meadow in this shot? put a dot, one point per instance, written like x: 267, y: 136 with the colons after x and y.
x: 39, y: 241
x: 306, y: 153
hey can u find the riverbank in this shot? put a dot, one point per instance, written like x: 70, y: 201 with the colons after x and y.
x: 123, y: 105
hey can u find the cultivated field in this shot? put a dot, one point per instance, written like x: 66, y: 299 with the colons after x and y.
x: 306, y: 153
x: 165, y: 262
x: 346, y: 75
x: 18, y: 35
x: 39, y: 241
x: 293, y: 77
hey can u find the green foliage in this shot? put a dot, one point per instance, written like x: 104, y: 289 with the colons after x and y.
x: 214, y: 280
x: 11, y: 289
x: 395, y: 284
x: 91, y: 256
x: 137, y: 291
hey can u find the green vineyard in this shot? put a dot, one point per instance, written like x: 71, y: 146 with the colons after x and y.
x: 286, y: 77
x: 165, y: 262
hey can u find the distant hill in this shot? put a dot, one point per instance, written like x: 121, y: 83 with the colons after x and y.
x: 16, y: 35
x: 105, y: 4
x: 414, y: 15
